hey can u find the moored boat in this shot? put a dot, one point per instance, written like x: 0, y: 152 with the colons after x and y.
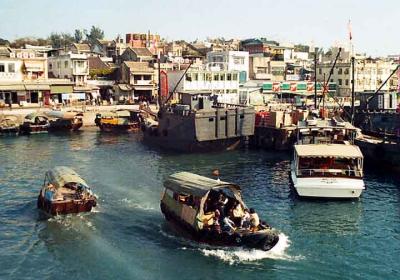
x: 65, y: 121
x: 212, y: 211
x: 65, y: 192
x: 119, y: 121
x: 328, y: 171
x: 9, y: 125
x: 35, y: 123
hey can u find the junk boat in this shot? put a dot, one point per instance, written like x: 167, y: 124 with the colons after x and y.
x: 189, y: 202
x: 65, y: 121
x: 327, y: 171
x: 35, y: 123
x: 197, y: 123
x: 119, y: 121
x: 9, y: 125
x: 65, y: 192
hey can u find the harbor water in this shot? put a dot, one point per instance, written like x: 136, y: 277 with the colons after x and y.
x: 127, y: 237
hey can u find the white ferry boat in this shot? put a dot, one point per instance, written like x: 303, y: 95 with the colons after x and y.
x: 328, y: 171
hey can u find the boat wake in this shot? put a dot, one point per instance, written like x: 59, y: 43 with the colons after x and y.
x: 242, y: 255
x: 134, y: 204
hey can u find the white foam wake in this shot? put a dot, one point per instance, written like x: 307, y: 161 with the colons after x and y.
x: 133, y: 204
x: 242, y: 255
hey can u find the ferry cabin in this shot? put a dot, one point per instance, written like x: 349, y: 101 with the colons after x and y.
x: 328, y: 171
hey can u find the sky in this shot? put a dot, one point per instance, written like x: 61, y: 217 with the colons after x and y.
x: 322, y: 23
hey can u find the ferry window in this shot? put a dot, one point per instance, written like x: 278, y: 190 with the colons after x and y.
x: 242, y: 116
x: 216, y: 77
x: 188, y: 77
x: 210, y: 119
x: 2, y: 68
x: 195, y: 77
x: 222, y: 77
x: 229, y: 77
x: 208, y: 77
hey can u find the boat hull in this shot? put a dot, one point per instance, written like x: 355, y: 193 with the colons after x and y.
x: 65, y: 207
x: 34, y: 129
x: 119, y: 128
x: 327, y: 187
x: 264, y: 239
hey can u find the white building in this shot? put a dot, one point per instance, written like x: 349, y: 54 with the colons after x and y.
x: 369, y: 74
x: 230, y: 61
x: 225, y: 84
x: 70, y: 66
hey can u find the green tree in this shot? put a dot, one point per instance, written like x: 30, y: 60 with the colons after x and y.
x: 94, y: 34
x: 61, y: 40
x: 4, y: 42
x: 78, y: 35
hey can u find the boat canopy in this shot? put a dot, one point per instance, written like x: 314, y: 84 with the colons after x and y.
x: 197, y: 185
x: 32, y: 116
x: 62, y: 175
x: 63, y: 115
x: 328, y: 150
x: 116, y: 114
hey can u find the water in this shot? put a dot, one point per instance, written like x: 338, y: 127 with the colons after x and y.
x: 127, y: 238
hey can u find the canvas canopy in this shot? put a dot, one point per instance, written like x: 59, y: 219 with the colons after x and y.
x: 61, y: 175
x: 197, y: 185
x: 116, y: 114
x: 32, y: 116
x: 328, y: 150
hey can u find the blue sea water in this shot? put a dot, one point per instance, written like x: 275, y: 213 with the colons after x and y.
x: 127, y: 237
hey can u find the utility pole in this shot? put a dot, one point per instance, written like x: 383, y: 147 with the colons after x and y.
x: 352, y: 89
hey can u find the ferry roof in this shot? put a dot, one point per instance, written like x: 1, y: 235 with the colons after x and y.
x: 61, y: 175
x: 195, y: 184
x: 328, y: 150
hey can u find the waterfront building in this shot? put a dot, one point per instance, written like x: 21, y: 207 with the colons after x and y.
x: 68, y: 65
x: 223, y: 83
x: 230, y: 61
x: 369, y: 74
x: 80, y: 48
x: 23, y: 76
x: 137, y: 81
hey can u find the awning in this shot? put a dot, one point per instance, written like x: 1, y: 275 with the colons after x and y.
x: 328, y: 150
x: 124, y: 87
x: 37, y: 87
x: 11, y: 87
x: 86, y: 89
x: 143, y: 87
x: 61, y: 89
x: 34, y: 66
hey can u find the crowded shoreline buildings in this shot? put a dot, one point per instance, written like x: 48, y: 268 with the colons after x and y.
x: 237, y: 71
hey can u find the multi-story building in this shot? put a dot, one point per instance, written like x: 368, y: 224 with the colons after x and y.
x: 142, y: 40
x: 23, y: 76
x: 231, y: 61
x: 137, y: 81
x: 369, y: 74
x: 136, y: 54
x: 223, y: 83
x: 70, y: 66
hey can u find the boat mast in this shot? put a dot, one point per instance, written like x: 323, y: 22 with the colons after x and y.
x: 352, y: 89
x: 315, y: 78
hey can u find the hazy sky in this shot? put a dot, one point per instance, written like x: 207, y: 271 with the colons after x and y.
x: 374, y: 23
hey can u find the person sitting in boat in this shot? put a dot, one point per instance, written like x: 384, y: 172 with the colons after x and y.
x: 254, y: 220
x: 228, y: 225
x: 245, y: 221
x: 217, y: 226
x: 222, y: 202
x: 237, y: 212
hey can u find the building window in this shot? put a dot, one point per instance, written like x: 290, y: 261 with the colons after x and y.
x: 11, y: 68
x: 2, y: 68
x: 340, y: 82
x: 320, y: 71
x: 195, y: 77
x: 340, y: 71
x: 229, y: 77
x: 50, y: 66
x: 188, y: 77
x: 238, y: 60
x: 210, y: 119
x: 208, y: 77
x: 216, y: 77
x: 235, y: 77
x: 222, y: 77
x: 347, y: 82
x: 346, y: 71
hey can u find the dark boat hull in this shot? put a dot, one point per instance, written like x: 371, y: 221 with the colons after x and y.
x: 258, y: 240
x: 9, y: 131
x: 192, y: 145
x: 119, y: 128
x: 65, y: 125
x: 65, y: 207
x: 34, y: 129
